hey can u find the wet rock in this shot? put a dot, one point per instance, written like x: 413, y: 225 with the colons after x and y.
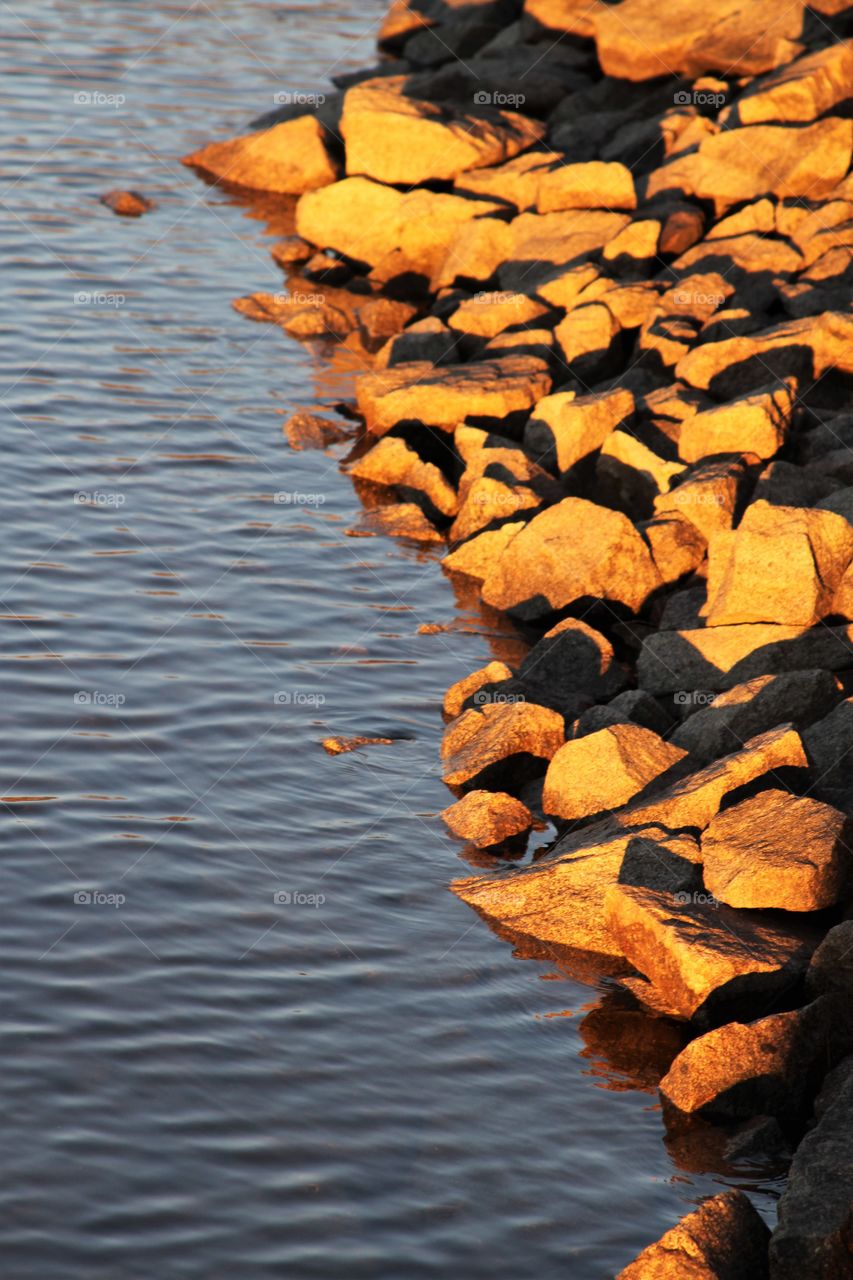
x: 400, y: 520
x: 725, y: 721
x: 496, y: 734
x: 392, y: 462
x: 290, y: 158
x: 491, y: 390
x: 564, y: 428
x: 487, y: 818
x: 741, y: 1069
x: 698, y: 956
x: 306, y: 430
x: 755, y: 424
x: 488, y: 314
x: 397, y: 139
x: 744, y: 164
x: 695, y: 801
x: 571, y: 552
x: 813, y: 1238
x: 570, y: 664
x: 800, y: 92
x: 382, y: 318
x: 127, y: 204
x: 459, y: 692
x: 290, y: 251
x: 475, y: 557
x: 340, y: 746
x: 327, y: 314
x: 724, y: 1239
x: 831, y: 968
x: 777, y: 850
x: 561, y: 901
x: 643, y: 39
x: 721, y: 657
x: 782, y: 565
x: 759, y: 1140
x: 605, y: 770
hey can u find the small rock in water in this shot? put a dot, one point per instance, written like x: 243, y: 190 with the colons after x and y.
x: 127, y: 204
x: 338, y: 746
x: 306, y: 430
x: 487, y: 817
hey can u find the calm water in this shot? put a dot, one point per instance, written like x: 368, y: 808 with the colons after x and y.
x: 201, y: 1081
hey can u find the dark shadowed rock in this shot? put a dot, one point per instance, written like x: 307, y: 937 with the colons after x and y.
x: 831, y: 968
x: 724, y: 1239
x: 722, y: 657
x: 571, y: 662
x: 829, y: 744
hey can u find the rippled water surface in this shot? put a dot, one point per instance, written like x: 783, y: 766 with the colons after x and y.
x: 200, y: 1080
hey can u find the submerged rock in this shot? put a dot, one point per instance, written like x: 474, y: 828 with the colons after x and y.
x: 127, y: 204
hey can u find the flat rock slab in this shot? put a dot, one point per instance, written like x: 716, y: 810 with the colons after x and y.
x: 445, y: 396
x: 777, y: 850
x: 561, y: 901
x: 605, y: 770
x: 572, y: 551
x: 479, y: 739
x: 745, y: 1069
x: 289, y: 158
x: 814, y: 1238
x: 724, y: 1239
x: 694, y: 953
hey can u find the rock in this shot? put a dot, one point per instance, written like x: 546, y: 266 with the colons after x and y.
x: 831, y: 968
x: 570, y: 664
x: 633, y: 706
x: 517, y: 181
x: 428, y: 339
x: 542, y: 242
x: 396, y: 139
x: 487, y: 818
x: 400, y: 520
x: 643, y: 39
x: 382, y: 318
x: 722, y: 657
x: 560, y: 901
x: 475, y: 253
x: 327, y: 314
x: 290, y: 251
x: 635, y: 247
x: 699, y: 957
x: 677, y: 546
x: 706, y: 494
x: 681, y: 229
x: 571, y: 552
x: 127, y: 204
x: 563, y: 429
x: 755, y: 424
x: 630, y: 476
x: 800, y: 92
x: 777, y: 850
x: 488, y: 314
x: 605, y: 770
x: 571, y: 17
x: 754, y: 707
x: 695, y: 801
x: 784, y: 485
x: 290, y: 158
x: 340, y: 746
x: 306, y: 430
x: 724, y: 1239
x: 594, y: 185
x: 765, y: 159
x: 812, y: 1240
x: 475, y: 557
x: 393, y: 462
x: 781, y: 564
x: 497, y: 734
x: 828, y: 744
x: 807, y: 347
x: 586, y: 338
x: 459, y: 692
x: 491, y: 390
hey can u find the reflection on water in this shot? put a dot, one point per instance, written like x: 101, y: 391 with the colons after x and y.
x: 251, y: 1032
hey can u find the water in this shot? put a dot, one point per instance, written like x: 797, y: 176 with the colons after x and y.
x: 202, y: 1081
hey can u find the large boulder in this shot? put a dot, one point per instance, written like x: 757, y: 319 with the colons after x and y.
x: 571, y: 552
x: 605, y: 770
x: 743, y: 1069
x: 724, y: 1239
x: 782, y: 565
x: 800, y: 92
x: 814, y: 1236
x: 711, y: 658
x: 570, y: 665
x: 757, y: 424
x: 777, y: 850
x: 397, y: 139
x: 392, y: 462
x: 290, y: 158
x: 697, y: 956
x: 486, y: 738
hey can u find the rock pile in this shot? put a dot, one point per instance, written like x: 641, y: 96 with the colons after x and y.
x: 597, y: 259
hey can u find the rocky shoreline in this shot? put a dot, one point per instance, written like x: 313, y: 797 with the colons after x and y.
x: 596, y: 259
